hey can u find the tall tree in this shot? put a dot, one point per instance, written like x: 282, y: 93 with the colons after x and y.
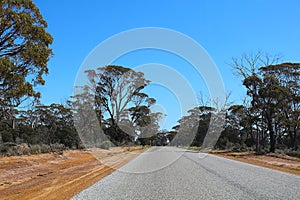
x: 24, y: 53
x: 86, y: 116
x: 248, y: 68
x: 115, y: 87
x: 288, y: 92
x: 274, y: 94
x: 121, y: 106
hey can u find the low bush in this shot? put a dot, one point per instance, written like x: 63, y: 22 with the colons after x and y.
x: 261, y: 152
x: 58, y: 147
x: 35, y: 149
x: 237, y: 147
x: 10, y: 149
x: 105, y: 145
x: 293, y: 153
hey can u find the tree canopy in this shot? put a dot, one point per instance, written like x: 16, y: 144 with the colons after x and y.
x: 122, y: 109
x: 24, y: 51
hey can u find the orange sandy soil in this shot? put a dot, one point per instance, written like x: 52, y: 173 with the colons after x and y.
x: 53, y: 176
x: 274, y: 161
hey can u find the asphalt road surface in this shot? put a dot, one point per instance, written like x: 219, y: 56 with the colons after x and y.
x: 173, y: 173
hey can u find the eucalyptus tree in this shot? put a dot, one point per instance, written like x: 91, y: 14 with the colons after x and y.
x: 24, y: 53
x: 123, y: 108
x: 288, y: 94
x: 273, y: 89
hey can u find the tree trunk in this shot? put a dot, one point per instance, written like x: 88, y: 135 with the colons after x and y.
x: 13, y: 123
x: 272, y: 137
x: 257, y: 149
x: 257, y: 142
x: 269, y: 120
x: 294, y: 140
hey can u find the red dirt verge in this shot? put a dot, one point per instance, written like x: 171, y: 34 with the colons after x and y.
x: 53, y: 176
x: 274, y: 161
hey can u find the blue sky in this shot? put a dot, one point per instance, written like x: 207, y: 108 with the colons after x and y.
x: 225, y: 29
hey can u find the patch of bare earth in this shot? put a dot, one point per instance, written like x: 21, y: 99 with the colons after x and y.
x: 53, y: 176
x: 274, y: 161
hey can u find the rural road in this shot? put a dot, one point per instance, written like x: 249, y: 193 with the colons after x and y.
x: 173, y: 173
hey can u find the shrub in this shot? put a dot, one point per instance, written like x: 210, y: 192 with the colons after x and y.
x: 280, y: 151
x: 261, y: 152
x: 130, y: 144
x: 237, y: 147
x: 7, y: 136
x: 105, y: 145
x: 3, y: 149
x: 10, y: 149
x: 293, y: 153
x: 35, y: 149
x: 45, y: 148
x: 38, y: 149
x: 58, y: 147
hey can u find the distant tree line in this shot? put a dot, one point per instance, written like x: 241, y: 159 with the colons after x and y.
x: 114, y: 94
x: 269, y: 118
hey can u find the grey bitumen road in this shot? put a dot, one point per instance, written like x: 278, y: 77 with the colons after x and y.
x: 173, y: 173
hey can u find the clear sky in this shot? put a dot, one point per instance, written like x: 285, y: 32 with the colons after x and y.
x: 225, y: 29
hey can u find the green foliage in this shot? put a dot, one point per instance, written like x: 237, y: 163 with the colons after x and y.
x: 269, y: 118
x: 293, y: 153
x: 24, y: 52
x: 261, y: 152
x: 122, y: 109
x: 10, y: 149
x: 6, y: 136
x: 105, y: 145
x: 272, y: 117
